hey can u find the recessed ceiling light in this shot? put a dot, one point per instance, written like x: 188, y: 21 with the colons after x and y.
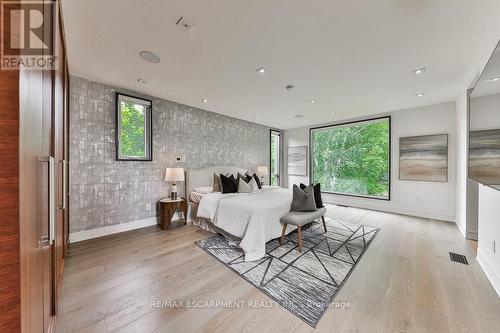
x: 204, y: 100
x: 142, y: 81
x: 257, y: 117
x: 150, y: 57
x: 261, y: 70
x: 312, y: 101
x: 493, y: 79
x: 298, y: 116
x: 420, y: 70
x: 419, y: 94
x: 185, y: 24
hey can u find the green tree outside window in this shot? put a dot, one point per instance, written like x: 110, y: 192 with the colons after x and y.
x: 353, y: 159
x: 134, y: 128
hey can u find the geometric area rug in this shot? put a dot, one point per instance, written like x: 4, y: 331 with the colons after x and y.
x: 306, y: 282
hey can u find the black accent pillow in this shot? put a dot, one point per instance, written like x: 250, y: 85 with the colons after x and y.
x: 229, y: 184
x: 257, y: 180
x: 317, y: 194
x: 244, y: 177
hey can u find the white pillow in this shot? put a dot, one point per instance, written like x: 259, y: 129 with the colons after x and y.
x: 203, y: 190
x: 254, y: 185
x: 243, y: 187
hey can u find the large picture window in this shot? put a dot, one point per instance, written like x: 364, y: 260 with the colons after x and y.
x: 133, y: 132
x: 353, y: 158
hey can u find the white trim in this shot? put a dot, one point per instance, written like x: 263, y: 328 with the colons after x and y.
x: 111, y: 229
x: 140, y: 101
x: 472, y: 235
x: 461, y: 227
x: 488, y: 271
x: 395, y: 210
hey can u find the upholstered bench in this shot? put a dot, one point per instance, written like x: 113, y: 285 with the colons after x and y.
x: 299, y: 219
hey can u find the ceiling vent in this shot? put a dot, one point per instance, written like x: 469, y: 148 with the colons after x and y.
x: 185, y: 24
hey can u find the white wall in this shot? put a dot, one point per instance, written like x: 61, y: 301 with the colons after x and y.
x: 424, y: 199
x: 485, y: 115
x: 467, y: 190
x: 485, y: 112
x: 489, y: 232
x: 462, y: 132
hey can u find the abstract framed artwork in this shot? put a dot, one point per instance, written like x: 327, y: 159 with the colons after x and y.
x: 424, y: 158
x: 297, y: 161
x: 484, y: 157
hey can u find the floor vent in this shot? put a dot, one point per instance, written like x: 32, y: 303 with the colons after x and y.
x: 458, y: 258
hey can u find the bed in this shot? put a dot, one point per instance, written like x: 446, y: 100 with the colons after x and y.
x: 247, y: 219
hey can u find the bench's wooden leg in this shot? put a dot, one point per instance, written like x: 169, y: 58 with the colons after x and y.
x: 299, y: 236
x: 283, y: 233
x: 323, y: 219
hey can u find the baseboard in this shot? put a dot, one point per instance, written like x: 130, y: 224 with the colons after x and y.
x: 426, y: 215
x: 111, y: 229
x: 468, y: 234
x: 396, y: 210
x: 461, y: 227
x: 472, y: 235
x: 488, y: 271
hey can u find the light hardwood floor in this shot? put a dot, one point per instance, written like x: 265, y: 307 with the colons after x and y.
x: 405, y: 282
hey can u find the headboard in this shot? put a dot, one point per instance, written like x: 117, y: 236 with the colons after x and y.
x: 205, y: 177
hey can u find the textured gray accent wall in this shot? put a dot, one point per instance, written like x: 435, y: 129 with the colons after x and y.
x: 107, y: 192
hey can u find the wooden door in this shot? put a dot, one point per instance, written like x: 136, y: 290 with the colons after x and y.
x: 33, y: 196
x: 37, y: 205
x: 60, y: 155
x: 10, y: 270
x: 51, y: 142
x: 37, y: 259
x: 33, y: 125
x: 48, y: 187
x: 47, y: 165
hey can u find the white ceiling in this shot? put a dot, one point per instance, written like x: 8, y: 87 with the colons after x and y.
x: 354, y: 57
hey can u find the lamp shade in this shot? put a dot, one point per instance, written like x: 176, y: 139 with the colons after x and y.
x: 174, y: 175
x: 262, y: 170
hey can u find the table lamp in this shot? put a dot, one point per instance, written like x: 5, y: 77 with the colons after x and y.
x: 174, y: 175
x: 262, y: 172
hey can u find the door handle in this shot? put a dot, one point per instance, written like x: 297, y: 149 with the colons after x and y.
x: 44, y: 241
x: 63, y: 202
x: 52, y: 197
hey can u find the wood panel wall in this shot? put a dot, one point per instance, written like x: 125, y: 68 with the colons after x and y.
x: 10, y: 277
x: 10, y: 274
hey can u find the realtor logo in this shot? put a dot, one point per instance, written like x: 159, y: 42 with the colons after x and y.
x: 27, y: 35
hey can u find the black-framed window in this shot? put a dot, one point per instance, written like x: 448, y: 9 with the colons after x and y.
x: 275, y: 148
x: 353, y: 158
x: 133, y: 128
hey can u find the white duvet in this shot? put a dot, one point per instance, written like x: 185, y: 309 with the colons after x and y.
x: 253, y: 217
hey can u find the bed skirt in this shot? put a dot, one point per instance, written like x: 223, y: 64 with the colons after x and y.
x: 207, y: 225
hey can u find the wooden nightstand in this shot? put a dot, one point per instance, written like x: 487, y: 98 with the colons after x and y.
x: 168, y: 207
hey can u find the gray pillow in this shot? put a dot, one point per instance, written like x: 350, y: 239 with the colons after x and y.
x: 241, y: 176
x: 254, y: 185
x: 217, y: 183
x: 303, y: 200
x: 217, y: 186
x: 243, y: 187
